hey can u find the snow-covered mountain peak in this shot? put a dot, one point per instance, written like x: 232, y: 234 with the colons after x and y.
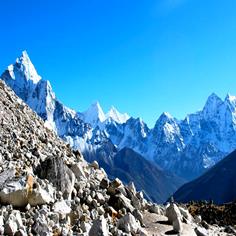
x: 165, y: 117
x: 213, y: 100
x: 115, y: 115
x: 230, y: 99
x: 94, y: 115
x: 212, y: 105
x: 24, y: 64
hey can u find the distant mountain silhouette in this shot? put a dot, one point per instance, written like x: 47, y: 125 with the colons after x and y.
x: 217, y: 184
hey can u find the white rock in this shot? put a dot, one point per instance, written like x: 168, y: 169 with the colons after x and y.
x: 128, y: 224
x: 100, y: 198
x: 62, y: 208
x: 185, y: 213
x: 132, y: 188
x: 173, y: 212
x: 201, y: 231
x: 95, y: 165
x: 85, y: 226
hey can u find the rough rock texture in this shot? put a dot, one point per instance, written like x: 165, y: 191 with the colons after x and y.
x: 59, y: 174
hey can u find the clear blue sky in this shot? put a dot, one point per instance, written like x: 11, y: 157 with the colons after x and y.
x: 142, y: 56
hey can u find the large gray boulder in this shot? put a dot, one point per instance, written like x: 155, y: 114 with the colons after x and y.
x: 58, y: 174
x: 99, y: 228
x: 173, y: 212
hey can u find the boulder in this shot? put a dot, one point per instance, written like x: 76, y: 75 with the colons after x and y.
x: 131, y: 188
x: 172, y: 213
x: 62, y: 208
x: 104, y: 183
x: 128, y: 224
x: 99, y: 228
x: 100, y: 198
x: 19, y: 193
x: 40, y: 227
x: 186, y: 215
x: 95, y: 165
x: 177, y: 225
x: 197, y: 219
x: 58, y: 174
x: 124, y: 202
x: 154, y: 208
x: 78, y: 171
x: 138, y: 215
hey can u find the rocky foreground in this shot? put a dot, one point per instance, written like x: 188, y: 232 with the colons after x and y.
x: 46, y: 188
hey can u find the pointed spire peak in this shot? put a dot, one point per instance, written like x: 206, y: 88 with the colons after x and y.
x: 25, y: 65
x: 213, y: 100
x: 214, y: 96
x: 115, y: 115
x: 166, y: 115
x: 25, y: 54
x: 94, y: 114
x: 24, y: 58
x: 164, y: 118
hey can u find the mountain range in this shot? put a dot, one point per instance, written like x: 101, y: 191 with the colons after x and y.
x: 187, y: 147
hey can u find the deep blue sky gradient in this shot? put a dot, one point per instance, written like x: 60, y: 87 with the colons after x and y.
x: 143, y: 57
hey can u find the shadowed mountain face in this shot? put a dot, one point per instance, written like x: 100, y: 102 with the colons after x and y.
x: 217, y: 184
x: 130, y: 166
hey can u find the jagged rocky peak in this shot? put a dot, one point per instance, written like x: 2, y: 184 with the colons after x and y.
x: 212, y: 105
x: 166, y: 123
x: 94, y: 115
x: 114, y: 114
x: 22, y: 76
x: 231, y: 101
x: 23, y: 66
x: 165, y: 117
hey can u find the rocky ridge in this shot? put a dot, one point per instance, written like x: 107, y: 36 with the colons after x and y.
x: 46, y: 188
